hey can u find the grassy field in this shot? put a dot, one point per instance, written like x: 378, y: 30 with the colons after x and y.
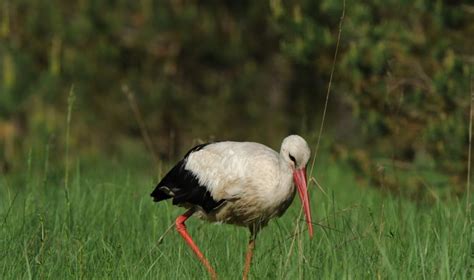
x: 105, y: 225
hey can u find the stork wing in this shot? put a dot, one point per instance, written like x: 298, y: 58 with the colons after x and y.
x: 182, y: 185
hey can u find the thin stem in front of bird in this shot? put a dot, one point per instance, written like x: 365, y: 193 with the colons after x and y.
x: 313, y: 179
x: 160, y: 240
x: 341, y: 20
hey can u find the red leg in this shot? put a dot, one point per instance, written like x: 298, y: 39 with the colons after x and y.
x: 248, y: 258
x: 181, y: 227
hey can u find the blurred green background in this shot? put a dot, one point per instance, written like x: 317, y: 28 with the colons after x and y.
x: 147, y: 79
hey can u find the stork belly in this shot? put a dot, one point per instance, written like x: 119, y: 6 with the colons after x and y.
x: 246, y: 213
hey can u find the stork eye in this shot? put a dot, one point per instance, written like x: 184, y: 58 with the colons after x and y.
x: 292, y: 158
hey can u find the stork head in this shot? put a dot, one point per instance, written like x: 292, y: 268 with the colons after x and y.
x: 296, y: 153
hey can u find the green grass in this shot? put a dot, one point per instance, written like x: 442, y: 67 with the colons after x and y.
x: 112, y: 226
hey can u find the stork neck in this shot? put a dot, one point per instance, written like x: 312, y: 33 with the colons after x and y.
x: 286, y: 174
x: 285, y: 190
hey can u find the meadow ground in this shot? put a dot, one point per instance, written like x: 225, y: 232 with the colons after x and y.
x: 106, y: 226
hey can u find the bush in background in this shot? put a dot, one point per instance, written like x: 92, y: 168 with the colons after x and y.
x: 255, y: 70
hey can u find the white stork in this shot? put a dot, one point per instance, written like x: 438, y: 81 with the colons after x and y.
x: 240, y: 183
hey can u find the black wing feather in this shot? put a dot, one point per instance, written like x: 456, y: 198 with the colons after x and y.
x: 183, y: 186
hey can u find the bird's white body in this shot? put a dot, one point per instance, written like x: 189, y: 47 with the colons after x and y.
x: 241, y: 183
x: 254, y: 180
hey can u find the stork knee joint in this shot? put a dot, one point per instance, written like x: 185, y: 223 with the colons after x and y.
x: 180, y: 226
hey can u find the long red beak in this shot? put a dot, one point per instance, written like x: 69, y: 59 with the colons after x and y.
x: 299, y: 175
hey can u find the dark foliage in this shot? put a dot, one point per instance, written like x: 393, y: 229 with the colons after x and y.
x: 253, y: 70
